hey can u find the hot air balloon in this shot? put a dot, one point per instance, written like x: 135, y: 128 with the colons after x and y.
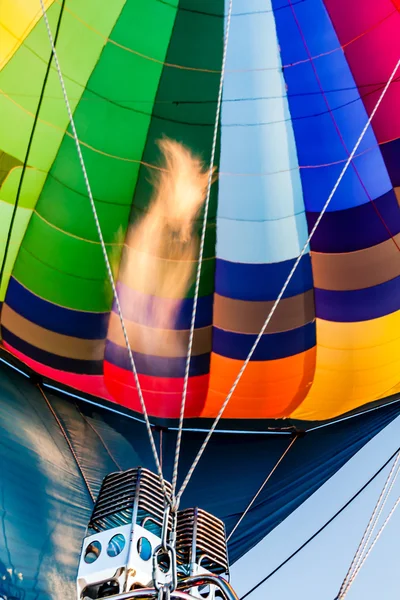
x: 275, y: 95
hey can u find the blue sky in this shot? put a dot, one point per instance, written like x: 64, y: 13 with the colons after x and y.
x: 317, y: 571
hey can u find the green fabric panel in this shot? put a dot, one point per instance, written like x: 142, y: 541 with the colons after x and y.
x: 58, y: 287
x: 72, y: 213
x: 21, y: 79
x: 33, y: 184
x: 182, y: 113
x: 84, y: 259
x: 20, y: 224
x: 70, y: 271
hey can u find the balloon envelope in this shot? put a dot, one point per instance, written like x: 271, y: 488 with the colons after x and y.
x: 300, y: 82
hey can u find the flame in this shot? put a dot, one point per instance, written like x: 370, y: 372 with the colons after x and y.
x: 162, y: 247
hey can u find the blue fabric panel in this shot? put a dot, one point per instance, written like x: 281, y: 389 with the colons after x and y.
x: 261, y: 241
x: 358, y: 305
x: 129, y: 297
x: 90, y: 326
x: 356, y: 228
x: 73, y: 365
x: 261, y: 214
x: 45, y: 504
x: 262, y: 282
x: 316, y: 125
x: 270, y: 347
x: 158, y: 366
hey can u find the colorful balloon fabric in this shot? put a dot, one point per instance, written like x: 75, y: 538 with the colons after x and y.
x: 302, y: 78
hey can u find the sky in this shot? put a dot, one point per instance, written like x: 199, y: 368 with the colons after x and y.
x: 317, y: 572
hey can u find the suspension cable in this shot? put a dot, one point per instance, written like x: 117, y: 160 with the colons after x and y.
x: 201, y: 252
x: 106, y: 259
x: 323, y: 527
x: 260, y: 489
x: 285, y: 285
x: 378, y: 535
x: 380, y: 503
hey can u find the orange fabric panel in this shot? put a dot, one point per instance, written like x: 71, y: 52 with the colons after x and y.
x: 270, y: 389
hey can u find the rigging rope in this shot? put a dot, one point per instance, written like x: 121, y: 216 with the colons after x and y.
x: 324, y: 526
x: 201, y: 251
x: 285, y: 285
x: 378, y: 535
x: 106, y: 259
x: 262, y: 487
x: 377, y: 511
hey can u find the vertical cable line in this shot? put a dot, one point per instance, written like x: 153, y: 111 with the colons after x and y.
x: 260, y: 489
x: 362, y: 552
x: 201, y: 252
x: 106, y: 259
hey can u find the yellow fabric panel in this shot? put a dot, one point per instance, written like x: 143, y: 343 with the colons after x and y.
x: 17, y: 19
x: 357, y: 363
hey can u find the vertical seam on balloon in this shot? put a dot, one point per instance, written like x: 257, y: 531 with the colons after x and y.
x: 33, y: 130
x: 63, y: 431
x: 336, y: 125
x: 99, y: 436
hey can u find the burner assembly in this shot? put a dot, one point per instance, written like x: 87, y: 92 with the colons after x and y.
x: 123, y: 552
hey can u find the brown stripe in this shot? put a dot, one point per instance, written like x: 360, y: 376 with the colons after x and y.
x: 357, y: 270
x: 244, y: 316
x: 56, y: 343
x: 159, y: 342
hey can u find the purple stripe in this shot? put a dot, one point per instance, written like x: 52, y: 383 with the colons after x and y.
x: 156, y: 366
x: 76, y: 323
x: 129, y: 299
x: 358, y: 305
x: 356, y: 228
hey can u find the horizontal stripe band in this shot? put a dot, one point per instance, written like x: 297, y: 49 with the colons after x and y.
x: 270, y: 347
x: 52, y: 360
x: 55, y: 343
x: 357, y: 270
x: 356, y: 228
x: 129, y: 300
x: 86, y: 325
x: 158, y: 366
x: 243, y: 316
x: 159, y: 342
x: 163, y: 396
x: 358, y: 305
x: 262, y: 281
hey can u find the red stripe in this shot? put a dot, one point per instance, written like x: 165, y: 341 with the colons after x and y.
x: 162, y: 395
